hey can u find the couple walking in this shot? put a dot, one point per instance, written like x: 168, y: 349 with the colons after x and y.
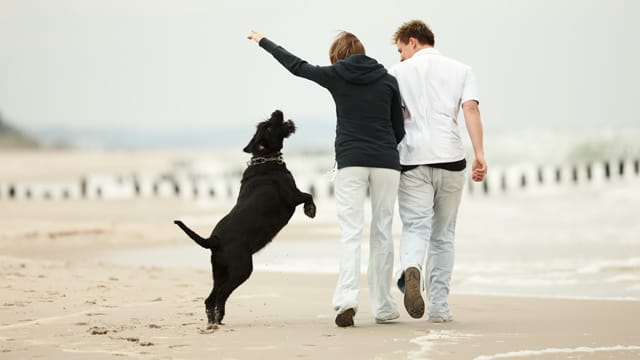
x: 397, y: 136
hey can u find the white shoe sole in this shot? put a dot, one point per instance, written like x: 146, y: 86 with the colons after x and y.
x: 440, y: 319
x: 387, y: 319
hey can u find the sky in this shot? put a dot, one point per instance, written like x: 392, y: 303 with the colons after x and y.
x: 182, y: 73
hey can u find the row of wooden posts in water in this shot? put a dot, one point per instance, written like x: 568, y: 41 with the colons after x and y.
x: 499, y: 180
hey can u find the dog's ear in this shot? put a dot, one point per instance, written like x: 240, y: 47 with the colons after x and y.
x: 277, y: 114
x: 250, y: 145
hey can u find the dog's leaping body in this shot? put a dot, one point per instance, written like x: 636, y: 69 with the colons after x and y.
x: 267, y: 200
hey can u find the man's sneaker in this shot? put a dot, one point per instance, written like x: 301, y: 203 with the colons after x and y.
x: 440, y: 318
x: 345, y: 319
x: 386, y: 319
x: 400, y: 283
x: 412, y: 295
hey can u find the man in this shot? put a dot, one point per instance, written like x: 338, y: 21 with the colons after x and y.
x: 433, y: 88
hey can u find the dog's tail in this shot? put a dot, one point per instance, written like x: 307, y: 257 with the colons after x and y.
x: 197, y: 238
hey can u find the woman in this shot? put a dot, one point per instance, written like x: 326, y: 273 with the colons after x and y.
x: 369, y: 127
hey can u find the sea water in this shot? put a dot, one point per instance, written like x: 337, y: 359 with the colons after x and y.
x: 576, y: 243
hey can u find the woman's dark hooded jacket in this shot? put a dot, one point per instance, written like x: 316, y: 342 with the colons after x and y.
x: 368, y: 109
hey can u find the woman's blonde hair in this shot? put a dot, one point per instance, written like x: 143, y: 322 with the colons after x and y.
x: 345, y: 44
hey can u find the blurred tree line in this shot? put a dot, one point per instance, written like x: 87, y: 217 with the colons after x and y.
x: 12, y: 138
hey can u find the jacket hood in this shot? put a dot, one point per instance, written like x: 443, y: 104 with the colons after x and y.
x: 359, y: 69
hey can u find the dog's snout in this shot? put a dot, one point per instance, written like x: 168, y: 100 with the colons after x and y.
x: 290, y: 125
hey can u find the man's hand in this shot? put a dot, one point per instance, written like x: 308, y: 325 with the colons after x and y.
x: 255, y: 36
x: 478, y: 169
x: 474, y: 128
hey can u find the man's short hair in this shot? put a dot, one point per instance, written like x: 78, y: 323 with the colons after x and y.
x: 414, y: 29
x: 345, y: 44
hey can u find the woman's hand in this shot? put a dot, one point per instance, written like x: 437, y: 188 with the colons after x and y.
x: 255, y: 36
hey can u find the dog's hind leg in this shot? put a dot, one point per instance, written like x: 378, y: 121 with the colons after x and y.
x: 219, y: 278
x: 237, y: 273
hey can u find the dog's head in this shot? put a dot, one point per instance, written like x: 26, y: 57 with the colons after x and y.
x: 270, y: 134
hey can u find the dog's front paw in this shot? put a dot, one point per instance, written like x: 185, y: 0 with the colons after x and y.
x: 310, y: 210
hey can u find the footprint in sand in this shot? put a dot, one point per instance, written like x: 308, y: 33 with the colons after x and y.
x: 96, y: 330
x: 210, y: 329
x: 95, y: 314
x: 135, y: 340
x: 19, y: 303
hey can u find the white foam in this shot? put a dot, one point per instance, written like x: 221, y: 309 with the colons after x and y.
x: 427, y: 342
x: 516, y: 281
x: 545, y: 296
x: 582, y: 349
x: 626, y: 264
x: 626, y: 278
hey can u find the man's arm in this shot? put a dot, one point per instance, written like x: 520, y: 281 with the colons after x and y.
x: 472, y: 119
x: 397, y: 120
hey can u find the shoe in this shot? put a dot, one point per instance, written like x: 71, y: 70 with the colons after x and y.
x: 413, y: 301
x: 438, y: 319
x: 400, y: 283
x: 345, y: 319
x: 386, y: 319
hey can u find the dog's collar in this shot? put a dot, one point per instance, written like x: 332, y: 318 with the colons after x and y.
x: 264, y: 159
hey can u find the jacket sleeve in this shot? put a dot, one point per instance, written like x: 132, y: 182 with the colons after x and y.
x: 397, y: 120
x: 297, y: 66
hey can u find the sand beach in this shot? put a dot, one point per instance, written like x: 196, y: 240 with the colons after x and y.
x: 110, y: 279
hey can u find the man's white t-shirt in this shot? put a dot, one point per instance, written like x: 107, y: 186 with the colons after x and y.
x: 433, y: 87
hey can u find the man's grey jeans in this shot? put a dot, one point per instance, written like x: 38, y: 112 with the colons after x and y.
x: 428, y: 200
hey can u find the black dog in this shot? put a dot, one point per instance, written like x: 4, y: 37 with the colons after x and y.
x: 268, y: 198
